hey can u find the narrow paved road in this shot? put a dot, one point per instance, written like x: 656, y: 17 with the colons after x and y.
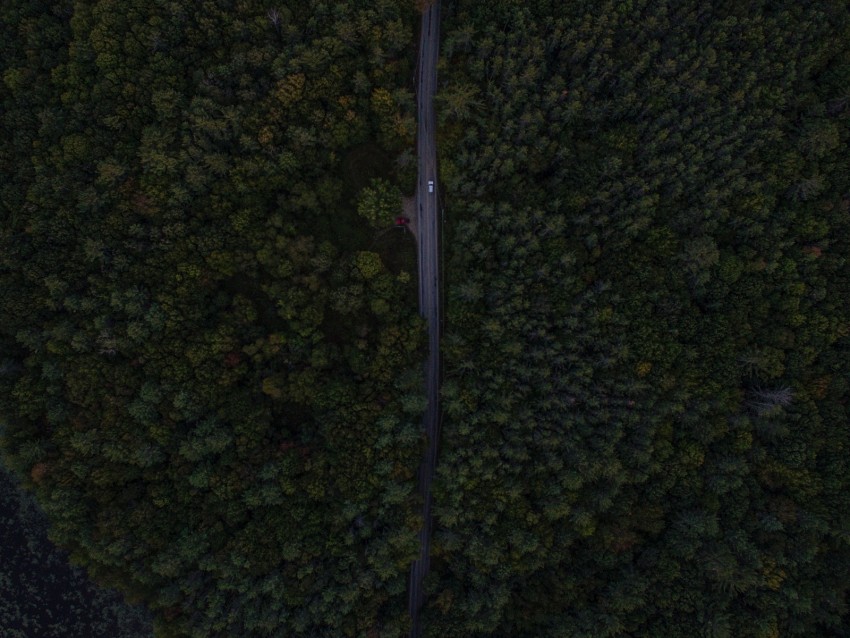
x: 429, y: 292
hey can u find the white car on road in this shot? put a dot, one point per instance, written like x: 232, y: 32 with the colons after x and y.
x: 430, y: 185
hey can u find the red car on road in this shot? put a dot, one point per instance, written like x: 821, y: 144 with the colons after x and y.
x: 401, y: 221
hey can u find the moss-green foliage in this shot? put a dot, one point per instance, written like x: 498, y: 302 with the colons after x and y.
x: 646, y: 358
x: 205, y: 367
x: 379, y: 202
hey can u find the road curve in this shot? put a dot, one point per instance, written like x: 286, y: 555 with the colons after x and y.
x: 429, y: 292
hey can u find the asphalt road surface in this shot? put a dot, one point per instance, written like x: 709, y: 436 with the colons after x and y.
x: 427, y: 209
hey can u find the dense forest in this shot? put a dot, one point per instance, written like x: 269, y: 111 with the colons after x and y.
x: 648, y: 320
x: 210, y: 343
x: 211, y: 358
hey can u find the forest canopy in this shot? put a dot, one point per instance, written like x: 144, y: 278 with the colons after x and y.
x: 211, y: 358
x: 210, y: 364
x: 648, y: 329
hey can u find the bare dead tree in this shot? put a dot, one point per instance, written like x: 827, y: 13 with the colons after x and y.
x: 107, y: 343
x: 157, y: 43
x: 274, y: 17
x: 765, y: 401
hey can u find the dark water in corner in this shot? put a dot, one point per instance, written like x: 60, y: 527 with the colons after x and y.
x: 41, y: 594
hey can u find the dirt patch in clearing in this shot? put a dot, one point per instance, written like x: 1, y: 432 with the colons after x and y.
x: 364, y: 163
x: 408, y: 205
